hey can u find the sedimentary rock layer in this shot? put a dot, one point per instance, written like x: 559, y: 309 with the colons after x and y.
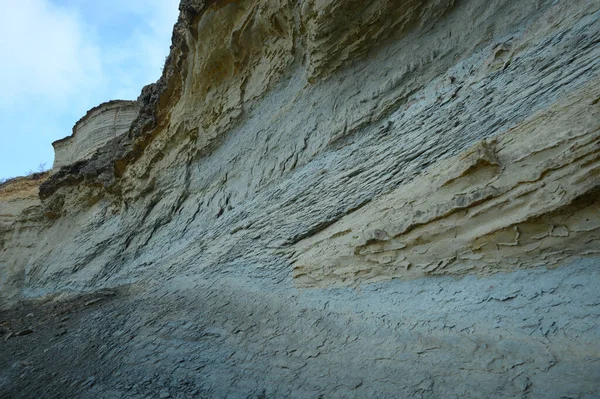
x: 230, y: 178
x: 292, y: 152
x: 94, y: 130
x: 528, y: 197
x: 21, y: 222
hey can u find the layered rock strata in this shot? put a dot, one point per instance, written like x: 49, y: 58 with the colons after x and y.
x: 100, y: 125
x: 292, y: 152
x: 528, y: 197
x: 21, y: 220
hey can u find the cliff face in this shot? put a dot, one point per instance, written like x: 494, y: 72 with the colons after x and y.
x: 21, y: 223
x: 340, y: 145
x: 94, y: 130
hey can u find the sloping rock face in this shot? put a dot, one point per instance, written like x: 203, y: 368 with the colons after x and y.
x: 348, y: 199
x: 94, y: 130
x: 21, y: 220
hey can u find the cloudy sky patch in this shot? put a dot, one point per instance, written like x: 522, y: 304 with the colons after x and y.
x: 63, y: 57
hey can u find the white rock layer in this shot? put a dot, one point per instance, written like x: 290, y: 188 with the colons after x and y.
x: 96, y: 128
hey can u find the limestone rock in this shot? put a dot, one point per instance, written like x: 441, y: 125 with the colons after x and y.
x: 527, y: 195
x: 337, y: 198
x: 94, y: 130
x: 21, y: 222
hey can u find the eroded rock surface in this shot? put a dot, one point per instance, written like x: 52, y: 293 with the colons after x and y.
x: 341, y: 198
x: 100, y: 125
x: 528, y: 197
x: 21, y: 220
x: 530, y: 333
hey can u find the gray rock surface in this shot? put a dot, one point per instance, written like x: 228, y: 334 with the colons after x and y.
x: 248, y: 213
x: 533, y: 334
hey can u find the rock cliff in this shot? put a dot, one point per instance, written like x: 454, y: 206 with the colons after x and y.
x: 94, y: 130
x: 331, y: 198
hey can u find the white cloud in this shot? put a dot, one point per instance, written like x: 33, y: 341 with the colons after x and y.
x: 62, y: 57
x: 60, y: 52
x: 45, y: 54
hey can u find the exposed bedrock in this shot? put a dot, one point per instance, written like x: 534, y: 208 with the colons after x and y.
x: 310, y: 149
x: 21, y: 224
x: 100, y: 125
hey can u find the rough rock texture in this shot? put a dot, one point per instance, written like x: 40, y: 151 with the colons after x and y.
x: 527, y: 334
x: 338, y: 198
x: 94, y: 130
x: 21, y: 220
x: 530, y: 196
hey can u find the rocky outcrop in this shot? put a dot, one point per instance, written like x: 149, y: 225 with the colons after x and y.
x: 527, y: 197
x: 377, y: 189
x: 100, y: 125
x: 21, y: 223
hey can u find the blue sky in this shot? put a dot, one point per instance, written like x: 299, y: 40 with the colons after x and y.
x: 63, y: 57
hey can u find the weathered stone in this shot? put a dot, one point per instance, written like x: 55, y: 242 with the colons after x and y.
x: 337, y: 198
x: 94, y: 130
